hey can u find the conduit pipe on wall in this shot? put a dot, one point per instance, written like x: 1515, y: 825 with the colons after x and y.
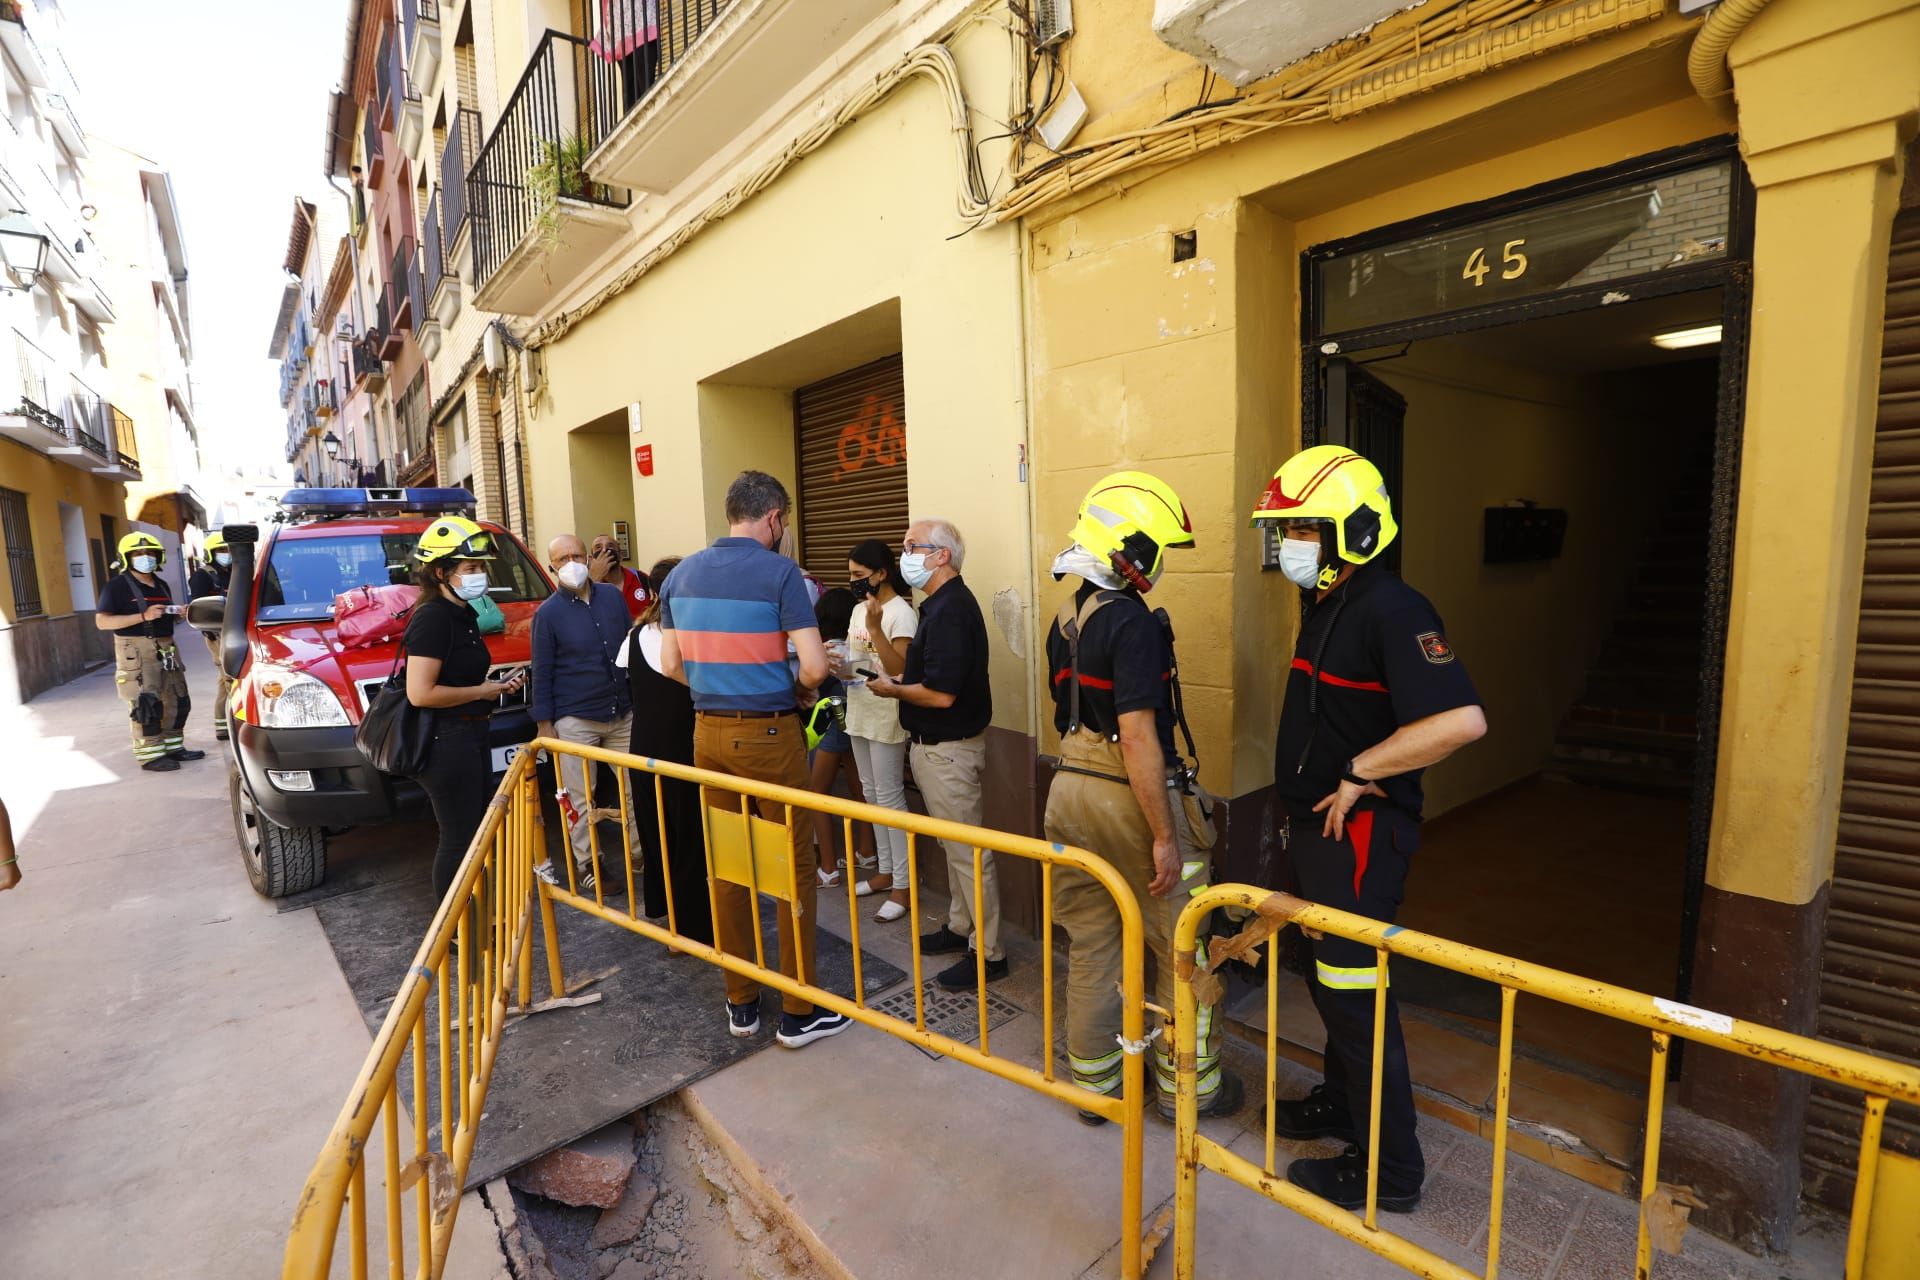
x: 1707, y: 59
x: 934, y: 61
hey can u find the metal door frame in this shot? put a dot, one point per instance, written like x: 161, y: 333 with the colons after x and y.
x: 1733, y: 275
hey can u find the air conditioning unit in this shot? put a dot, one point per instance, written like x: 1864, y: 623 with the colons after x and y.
x: 344, y: 329
x: 1052, y: 21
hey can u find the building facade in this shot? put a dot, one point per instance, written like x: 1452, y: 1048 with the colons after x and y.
x: 1620, y: 295
x: 96, y: 430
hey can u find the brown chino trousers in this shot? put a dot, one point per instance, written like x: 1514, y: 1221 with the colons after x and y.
x: 766, y: 749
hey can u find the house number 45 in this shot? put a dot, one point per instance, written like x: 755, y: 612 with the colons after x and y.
x: 1477, y: 269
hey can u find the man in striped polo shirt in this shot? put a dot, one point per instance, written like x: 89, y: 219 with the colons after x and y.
x: 727, y: 615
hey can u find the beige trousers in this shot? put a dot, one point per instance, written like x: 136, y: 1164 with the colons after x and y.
x: 609, y: 735
x: 950, y: 775
x: 1102, y: 817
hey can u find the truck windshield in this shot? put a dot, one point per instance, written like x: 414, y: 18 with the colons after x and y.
x: 303, y: 575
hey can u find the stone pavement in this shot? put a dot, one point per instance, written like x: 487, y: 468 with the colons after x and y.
x: 172, y: 1050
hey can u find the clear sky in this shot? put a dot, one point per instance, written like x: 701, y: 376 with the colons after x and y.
x: 231, y: 97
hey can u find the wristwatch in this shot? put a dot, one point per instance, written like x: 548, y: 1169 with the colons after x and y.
x: 1348, y: 775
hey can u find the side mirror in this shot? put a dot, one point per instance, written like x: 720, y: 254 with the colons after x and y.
x: 207, y: 614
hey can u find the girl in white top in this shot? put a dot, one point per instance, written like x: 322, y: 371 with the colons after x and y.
x: 882, y: 627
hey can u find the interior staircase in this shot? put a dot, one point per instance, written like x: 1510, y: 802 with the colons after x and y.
x: 1633, y: 725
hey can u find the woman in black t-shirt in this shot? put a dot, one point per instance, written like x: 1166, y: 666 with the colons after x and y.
x: 447, y: 664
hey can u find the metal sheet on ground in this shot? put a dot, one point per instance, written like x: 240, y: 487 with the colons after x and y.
x: 658, y: 1027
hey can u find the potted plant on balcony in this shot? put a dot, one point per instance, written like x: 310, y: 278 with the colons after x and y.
x: 559, y: 174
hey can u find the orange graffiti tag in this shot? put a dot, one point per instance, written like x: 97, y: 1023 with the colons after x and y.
x: 875, y: 436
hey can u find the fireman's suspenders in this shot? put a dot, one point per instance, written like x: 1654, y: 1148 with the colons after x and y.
x: 1073, y: 624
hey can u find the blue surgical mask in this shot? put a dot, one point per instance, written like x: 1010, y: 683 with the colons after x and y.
x: 1300, y: 561
x: 222, y: 559
x: 145, y: 564
x: 470, y: 586
x: 913, y: 567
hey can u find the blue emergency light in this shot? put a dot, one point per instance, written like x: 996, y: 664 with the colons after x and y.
x: 365, y: 502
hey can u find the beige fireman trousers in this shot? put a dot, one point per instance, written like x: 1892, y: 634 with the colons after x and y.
x: 1100, y: 815
x: 149, y: 675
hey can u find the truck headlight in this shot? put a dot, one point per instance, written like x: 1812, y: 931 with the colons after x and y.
x: 290, y: 699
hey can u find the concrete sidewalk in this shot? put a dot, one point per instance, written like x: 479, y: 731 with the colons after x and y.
x: 172, y: 1050
x: 899, y: 1165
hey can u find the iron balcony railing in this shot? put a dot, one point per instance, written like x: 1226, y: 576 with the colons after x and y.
x: 366, y: 357
x: 383, y: 69
x: 433, y: 256
x: 399, y: 83
x: 88, y: 423
x: 411, y: 409
x: 412, y: 11
x: 125, y: 446
x: 370, y: 141
x: 636, y: 42
x: 409, y: 309
x: 536, y: 153
x: 463, y: 146
x: 35, y: 401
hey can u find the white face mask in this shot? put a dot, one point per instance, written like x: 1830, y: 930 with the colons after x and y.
x: 222, y: 559
x: 1300, y: 561
x: 470, y: 586
x: 573, y: 575
x: 913, y: 567
x: 145, y: 564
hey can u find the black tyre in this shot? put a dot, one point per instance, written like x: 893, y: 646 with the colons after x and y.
x: 279, y: 860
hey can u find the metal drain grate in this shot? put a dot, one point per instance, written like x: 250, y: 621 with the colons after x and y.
x: 953, y: 1014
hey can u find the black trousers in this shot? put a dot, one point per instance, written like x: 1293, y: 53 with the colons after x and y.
x: 1364, y: 873
x: 459, y: 782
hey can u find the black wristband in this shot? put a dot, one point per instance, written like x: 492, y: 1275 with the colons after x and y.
x: 1348, y: 775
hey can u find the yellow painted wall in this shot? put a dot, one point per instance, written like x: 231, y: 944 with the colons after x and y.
x: 48, y: 482
x: 599, y: 463
x: 867, y: 221
x: 1191, y: 369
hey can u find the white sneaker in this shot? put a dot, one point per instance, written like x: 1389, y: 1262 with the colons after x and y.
x: 546, y: 871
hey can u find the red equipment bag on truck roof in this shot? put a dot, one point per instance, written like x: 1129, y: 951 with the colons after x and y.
x: 371, y: 615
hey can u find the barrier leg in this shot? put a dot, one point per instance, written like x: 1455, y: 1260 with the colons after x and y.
x: 556, y: 979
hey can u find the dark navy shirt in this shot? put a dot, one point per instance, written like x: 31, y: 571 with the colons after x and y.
x: 1372, y: 656
x: 575, y: 644
x: 949, y: 655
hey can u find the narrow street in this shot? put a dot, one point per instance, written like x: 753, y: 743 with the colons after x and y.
x: 172, y: 1048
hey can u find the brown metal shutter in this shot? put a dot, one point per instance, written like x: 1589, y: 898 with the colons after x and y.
x: 853, y: 464
x: 1870, y: 969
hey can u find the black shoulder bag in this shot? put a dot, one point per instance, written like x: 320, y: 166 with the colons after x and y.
x: 395, y: 736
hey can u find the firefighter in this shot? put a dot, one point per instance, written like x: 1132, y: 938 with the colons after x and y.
x: 211, y: 579
x: 1122, y: 791
x: 1374, y: 696
x: 138, y: 608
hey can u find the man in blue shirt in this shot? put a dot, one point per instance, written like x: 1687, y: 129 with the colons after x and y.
x: 579, y: 695
x: 727, y: 615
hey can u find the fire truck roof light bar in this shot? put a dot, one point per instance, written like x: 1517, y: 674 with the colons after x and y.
x: 356, y: 502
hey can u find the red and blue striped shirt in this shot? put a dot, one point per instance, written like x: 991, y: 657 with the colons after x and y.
x: 730, y: 608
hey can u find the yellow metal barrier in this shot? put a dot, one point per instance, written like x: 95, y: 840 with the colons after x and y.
x: 496, y: 880
x: 1877, y: 1078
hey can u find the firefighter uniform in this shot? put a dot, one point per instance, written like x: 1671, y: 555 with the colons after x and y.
x: 1108, y: 654
x: 1372, y: 657
x: 148, y: 671
x: 211, y: 579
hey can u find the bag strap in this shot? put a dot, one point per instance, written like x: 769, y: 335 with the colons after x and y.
x: 1178, y: 699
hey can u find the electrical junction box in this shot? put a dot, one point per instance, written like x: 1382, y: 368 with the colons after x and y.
x: 1518, y: 534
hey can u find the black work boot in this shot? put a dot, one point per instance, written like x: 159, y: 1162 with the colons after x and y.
x: 186, y: 753
x: 1342, y: 1182
x: 1318, y: 1115
x: 161, y: 764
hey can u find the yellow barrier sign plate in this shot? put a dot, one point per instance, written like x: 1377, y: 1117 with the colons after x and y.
x: 768, y: 866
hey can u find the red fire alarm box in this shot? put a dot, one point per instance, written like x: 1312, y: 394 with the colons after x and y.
x: 643, y: 458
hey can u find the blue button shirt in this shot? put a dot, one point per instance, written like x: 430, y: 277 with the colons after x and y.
x: 575, y: 644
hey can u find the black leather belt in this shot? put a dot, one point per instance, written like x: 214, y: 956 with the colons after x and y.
x: 750, y: 715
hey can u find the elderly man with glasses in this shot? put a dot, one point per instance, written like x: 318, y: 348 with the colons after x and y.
x: 945, y: 707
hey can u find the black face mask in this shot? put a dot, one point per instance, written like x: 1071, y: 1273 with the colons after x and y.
x: 861, y: 588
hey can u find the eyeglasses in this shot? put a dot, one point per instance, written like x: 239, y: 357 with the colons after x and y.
x: 919, y: 546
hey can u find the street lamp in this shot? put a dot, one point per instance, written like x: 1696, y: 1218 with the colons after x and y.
x: 23, y: 249
x: 350, y: 466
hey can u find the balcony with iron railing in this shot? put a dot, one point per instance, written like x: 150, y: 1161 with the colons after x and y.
x: 384, y: 65
x: 77, y: 426
x: 126, y: 447
x: 463, y: 148
x: 369, y: 371
x: 433, y: 256
x: 681, y: 79
x: 408, y: 114
x: 17, y: 39
x: 537, y: 220
x: 420, y: 22
x: 373, y: 147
